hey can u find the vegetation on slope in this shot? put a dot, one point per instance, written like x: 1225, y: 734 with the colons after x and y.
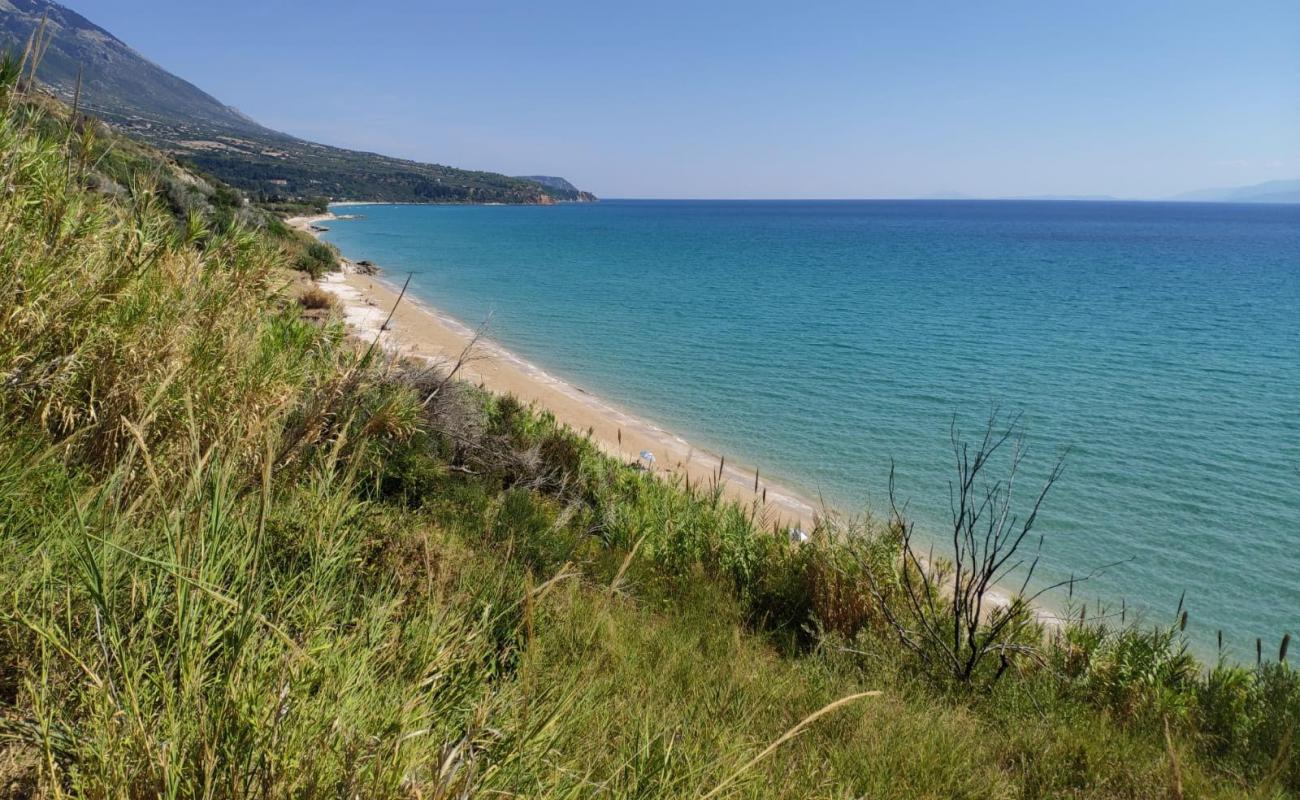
x: 242, y: 556
x: 79, y: 58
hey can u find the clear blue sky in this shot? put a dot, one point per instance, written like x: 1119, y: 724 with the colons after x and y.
x: 761, y: 99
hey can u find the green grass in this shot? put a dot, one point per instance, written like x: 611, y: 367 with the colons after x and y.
x: 241, y: 557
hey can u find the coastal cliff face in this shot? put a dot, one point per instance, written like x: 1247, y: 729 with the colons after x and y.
x: 546, y: 199
x: 142, y: 99
x: 562, y: 187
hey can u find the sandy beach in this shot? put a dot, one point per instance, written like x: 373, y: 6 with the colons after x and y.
x: 420, y: 331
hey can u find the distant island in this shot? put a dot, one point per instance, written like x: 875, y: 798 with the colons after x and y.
x: 1267, y: 192
x: 1281, y: 191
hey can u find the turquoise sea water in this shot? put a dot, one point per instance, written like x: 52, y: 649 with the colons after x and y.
x: 1160, y: 343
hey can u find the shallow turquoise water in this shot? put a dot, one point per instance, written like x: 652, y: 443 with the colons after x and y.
x: 1160, y: 343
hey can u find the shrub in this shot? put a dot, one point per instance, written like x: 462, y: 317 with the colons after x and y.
x: 1246, y: 718
x: 317, y: 259
x: 316, y: 298
x: 1136, y: 672
x: 561, y: 455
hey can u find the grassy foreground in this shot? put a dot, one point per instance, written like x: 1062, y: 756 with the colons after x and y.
x: 242, y: 556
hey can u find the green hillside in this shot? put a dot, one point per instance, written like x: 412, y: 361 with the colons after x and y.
x: 550, y: 182
x: 242, y: 555
x: 124, y: 88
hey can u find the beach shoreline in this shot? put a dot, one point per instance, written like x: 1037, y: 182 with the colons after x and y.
x: 419, y: 330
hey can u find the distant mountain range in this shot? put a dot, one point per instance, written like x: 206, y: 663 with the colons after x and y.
x: 1267, y: 192
x: 126, y: 89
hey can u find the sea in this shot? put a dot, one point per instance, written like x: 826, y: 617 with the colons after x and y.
x: 1154, y: 346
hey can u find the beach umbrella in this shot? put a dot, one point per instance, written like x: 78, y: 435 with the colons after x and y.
x: 648, y: 457
x: 799, y: 536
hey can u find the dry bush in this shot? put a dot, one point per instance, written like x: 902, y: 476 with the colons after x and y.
x: 951, y: 617
x: 315, y: 298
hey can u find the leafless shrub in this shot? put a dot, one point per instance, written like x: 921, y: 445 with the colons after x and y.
x: 454, y: 410
x: 951, y: 615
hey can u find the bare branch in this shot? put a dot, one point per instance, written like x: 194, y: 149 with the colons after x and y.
x: 952, y: 618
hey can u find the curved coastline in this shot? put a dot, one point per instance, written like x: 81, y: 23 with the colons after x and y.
x: 420, y: 330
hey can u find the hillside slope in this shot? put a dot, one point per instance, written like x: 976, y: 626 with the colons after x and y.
x: 550, y: 182
x: 246, y: 556
x: 117, y: 80
x: 126, y: 89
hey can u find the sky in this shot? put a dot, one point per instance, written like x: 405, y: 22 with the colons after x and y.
x: 764, y: 99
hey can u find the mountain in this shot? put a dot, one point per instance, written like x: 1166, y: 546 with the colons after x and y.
x: 117, y: 80
x: 1267, y: 192
x: 550, y: 182
x: 1069, y: 198
x: 141, y: 98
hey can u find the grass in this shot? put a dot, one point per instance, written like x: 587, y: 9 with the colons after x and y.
x: 241, y: 557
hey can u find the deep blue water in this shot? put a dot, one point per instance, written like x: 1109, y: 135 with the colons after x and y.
x: 1160, y: 343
